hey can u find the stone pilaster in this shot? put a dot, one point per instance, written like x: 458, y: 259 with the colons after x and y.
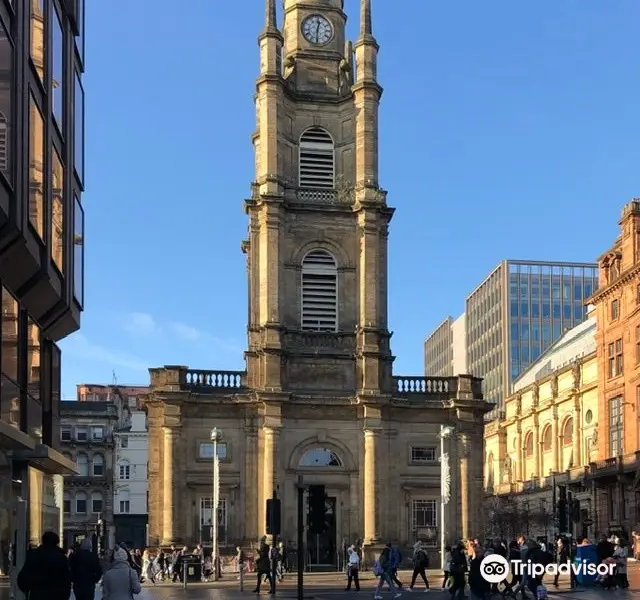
x: 464, y: 450
x: 519, y: 454
x: 270, y: 466
x: 169, y: 474
x: 555, y: 434
x: 577, y: 433
x: 537, y: 454
x: 371, y: 440
x: 251, y: 529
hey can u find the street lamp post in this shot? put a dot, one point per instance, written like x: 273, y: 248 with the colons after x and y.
x: 445, y: 487
x: 216, y: 436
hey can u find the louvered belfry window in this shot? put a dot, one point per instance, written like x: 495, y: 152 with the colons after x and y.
x: 319, y: 292
x: 316, y: 159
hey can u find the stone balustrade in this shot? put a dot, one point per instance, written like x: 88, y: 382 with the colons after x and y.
x: 198, y: 380
x: 405, y: 386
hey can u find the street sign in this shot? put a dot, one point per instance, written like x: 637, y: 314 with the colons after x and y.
x: 587, y: 522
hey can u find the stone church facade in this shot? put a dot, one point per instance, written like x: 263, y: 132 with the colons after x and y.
x: 318, y: 398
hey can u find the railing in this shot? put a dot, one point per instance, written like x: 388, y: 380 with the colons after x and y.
x: 425, y: 385
x: 199, y: 380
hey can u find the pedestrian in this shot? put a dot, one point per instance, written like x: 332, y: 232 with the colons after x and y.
x: 121, y: 581
x: 263, y: 565
x: 420, y: 564
x: 45, y: 574
x: 457, y: 570
x: 353, y: 569
x: 85, y: 571
x: 382, y: 569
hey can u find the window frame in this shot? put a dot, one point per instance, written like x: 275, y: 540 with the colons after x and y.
x: 614, y: 313
x: 301, y: 148
x: 318, y: 270
x: 94, y: 500
x: 429, y: 450
x: 124, y: 471
x: 85, y: 499
x: 62, y: 436
x: 82, y: 430
x: 615, y: 359
x: 615, y: 422
x: 101, y: 465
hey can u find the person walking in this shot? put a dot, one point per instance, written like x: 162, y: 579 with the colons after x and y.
x: 121, y: 581
x: 420, y: 564
x: 263, y: 565
x: 353, y: 569
x: 85, y: 571
x: 382, y: 569
x: 45, y: 574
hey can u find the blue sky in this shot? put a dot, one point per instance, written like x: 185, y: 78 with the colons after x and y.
x: 508, y: 130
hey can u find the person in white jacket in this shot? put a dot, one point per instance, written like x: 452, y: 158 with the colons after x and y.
x: 353, y: 569
x: 120, y: 582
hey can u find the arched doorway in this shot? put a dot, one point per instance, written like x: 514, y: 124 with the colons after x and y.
x: 322, y: 548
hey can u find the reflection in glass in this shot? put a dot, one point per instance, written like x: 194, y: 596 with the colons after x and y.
x: 78, y: 252
x: 320, y: 457
x: 36, y: 170
x: 78, y: 129
x: 10, y: 330
x: 46, y: 501
x: 34, y: 360
x: 38, y: 37
x: 57, y: 212
x: 10, y: 402
x: 57, y: 76
x: 6, y: 82
x: 55, y: 394
x: 80, y: 37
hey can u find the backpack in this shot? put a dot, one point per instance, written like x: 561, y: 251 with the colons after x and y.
x: 377, y: 569
x: 421, y: 559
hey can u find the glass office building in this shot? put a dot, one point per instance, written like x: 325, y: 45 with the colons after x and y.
x: 41, y: 257
x: 517, y: 312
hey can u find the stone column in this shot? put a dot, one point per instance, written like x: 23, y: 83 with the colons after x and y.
x: 537, y: 455
x: 251, y: 531
x: 270, y: 464
x: 370, y: 485
x: 555, y: 434
x: 465, y: 491
x: 519, y: 455
x: 577, y: 434
x: 169, y: 522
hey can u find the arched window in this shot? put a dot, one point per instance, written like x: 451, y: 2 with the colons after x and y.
x: 547, y: 439
x: 124, y: 470
x: 316, y: 159
x: 319, y: 292
x: 124, y: 504
x: 320, y: 457
x: 81, y: 503
x: 66, y: 503
x: 567, y: 432
x: 82, y: 462
x: 528, y: 445
x: 96, y: 502
x: 98, y: 465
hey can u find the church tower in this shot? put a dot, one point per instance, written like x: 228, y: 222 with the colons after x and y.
x: 318, y: 219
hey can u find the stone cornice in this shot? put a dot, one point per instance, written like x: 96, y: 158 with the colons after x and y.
x: 611, y: 288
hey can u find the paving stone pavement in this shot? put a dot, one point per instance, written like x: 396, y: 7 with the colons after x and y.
x: 330, y: 586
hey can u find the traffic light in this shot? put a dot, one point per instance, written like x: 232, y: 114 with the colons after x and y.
x: 317, y: 509
x: 562, y: 508
x: 273, y: 516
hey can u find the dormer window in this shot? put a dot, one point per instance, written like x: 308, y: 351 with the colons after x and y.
x: 316, y: 159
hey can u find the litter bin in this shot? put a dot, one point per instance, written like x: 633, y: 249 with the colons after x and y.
x: 193, y: 569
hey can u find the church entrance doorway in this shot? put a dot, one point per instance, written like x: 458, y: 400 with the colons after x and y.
x: 321, y: 548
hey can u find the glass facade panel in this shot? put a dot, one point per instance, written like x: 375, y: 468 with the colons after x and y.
x: 11, y: 509
x: 80, y: 36
x: 10, y: 334
x: 34, y: 364
x: 38, y: 37
x: 46, y: 503
x: 6, y: 113
x: 78, y: 252
x: 36, y: 169
x: 78, y: 129
x: 57, y: 212
x: 57, y: 77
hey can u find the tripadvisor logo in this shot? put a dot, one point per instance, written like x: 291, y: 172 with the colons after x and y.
x: 495, y: 568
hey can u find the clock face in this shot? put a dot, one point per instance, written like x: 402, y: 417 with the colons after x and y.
x: 317, y: 30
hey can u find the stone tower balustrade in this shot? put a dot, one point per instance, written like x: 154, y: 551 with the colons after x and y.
x: 204, y: 381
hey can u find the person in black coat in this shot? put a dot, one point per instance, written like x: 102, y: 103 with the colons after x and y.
x: 85, y: 571
x: 45, y: 574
